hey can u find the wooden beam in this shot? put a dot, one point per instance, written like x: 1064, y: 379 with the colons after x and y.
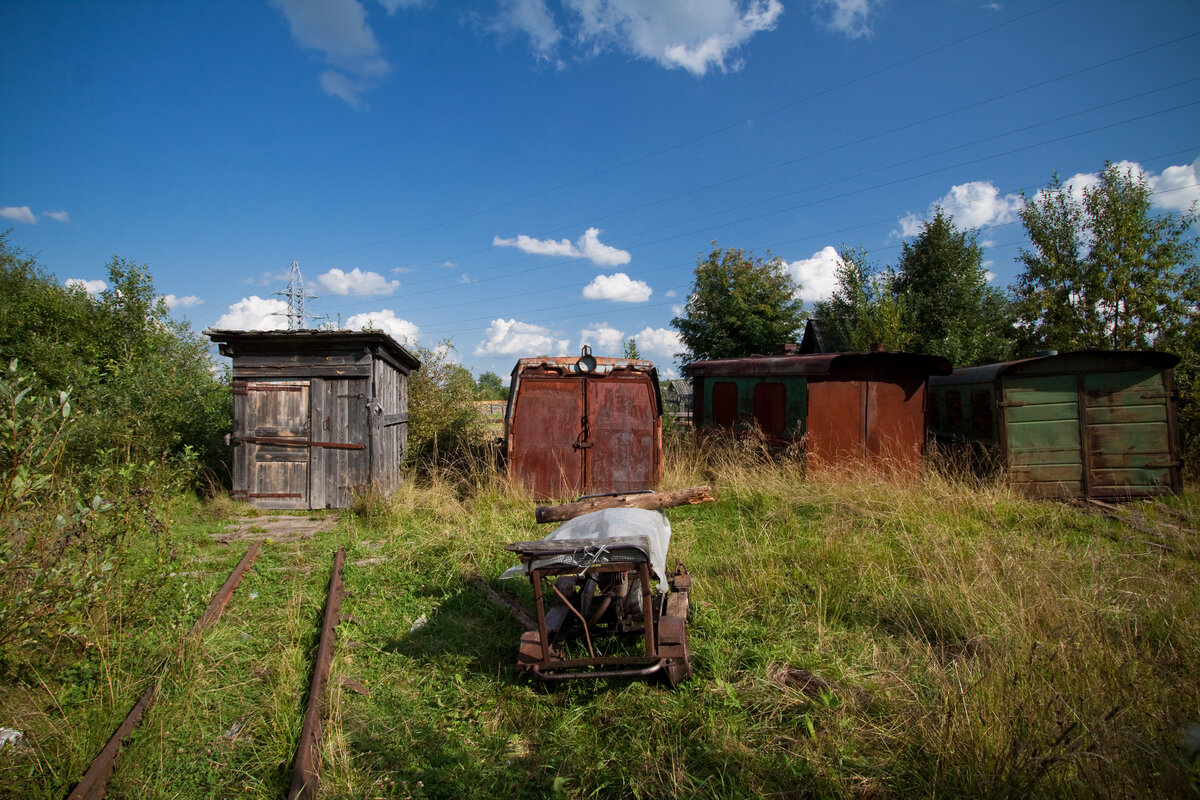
x: 648, y: 500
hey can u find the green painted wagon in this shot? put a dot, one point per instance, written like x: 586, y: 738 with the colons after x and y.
x: 1090, y: 424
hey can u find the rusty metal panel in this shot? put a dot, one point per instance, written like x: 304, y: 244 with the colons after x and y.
x: 836, y: 421
x: 895, y: 422
x: 626, y: 436
x: 543, y: 430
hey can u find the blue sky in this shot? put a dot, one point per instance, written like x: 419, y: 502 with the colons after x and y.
x: 523, y: 176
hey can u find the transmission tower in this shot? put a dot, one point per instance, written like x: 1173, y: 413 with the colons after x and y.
x: 296, y: 296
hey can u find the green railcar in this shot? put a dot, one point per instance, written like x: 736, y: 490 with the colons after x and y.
x: 1089, y: 424
x: 844, y: 409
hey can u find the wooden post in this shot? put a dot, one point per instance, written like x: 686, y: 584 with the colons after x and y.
x: 652, y: 501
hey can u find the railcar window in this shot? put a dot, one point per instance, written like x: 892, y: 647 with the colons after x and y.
x: 954, y: 422
x: 724, y: 403
x: 770, y: 407
x: 981, y: 413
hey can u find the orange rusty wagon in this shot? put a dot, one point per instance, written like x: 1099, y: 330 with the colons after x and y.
x: 586, y: 425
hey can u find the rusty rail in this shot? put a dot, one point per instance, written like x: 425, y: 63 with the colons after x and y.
x: 94, y: 784
x: 308, y: 755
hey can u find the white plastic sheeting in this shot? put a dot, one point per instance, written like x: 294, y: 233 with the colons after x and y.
x: 647, y: 529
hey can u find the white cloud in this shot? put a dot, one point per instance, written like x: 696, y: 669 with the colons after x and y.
x: 976, y: 204
x: 539, y: 247
x: 1174, y: 189
x: 18, y: 214
x: 57, y: 216
x: 338, y: 30
x: 1177, y: 188
x: 663, y: 342
x: 93, y: 288
x: 392, y: 5
x: 619, y: 288
x: 603, y: 338
x: 850, y: 17
x: 356, y: 282
x: 534, y: 19
x: 522, y: 339
x: 588, y: 246
x: 187, y: 301
x: 385, y: 320
x: 338, y: 84
x: 696, y: 35
x: 817, y: 275
x: 254, y: 314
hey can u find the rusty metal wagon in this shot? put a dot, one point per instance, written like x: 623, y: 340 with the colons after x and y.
x: 606, y: 605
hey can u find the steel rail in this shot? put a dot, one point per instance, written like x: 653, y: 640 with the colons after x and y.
x: 94, y: 784
x: 308, y: 755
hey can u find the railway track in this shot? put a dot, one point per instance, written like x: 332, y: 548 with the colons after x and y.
x: 306, y: 763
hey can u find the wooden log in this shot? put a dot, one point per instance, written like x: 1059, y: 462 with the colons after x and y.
x: 648, y: 500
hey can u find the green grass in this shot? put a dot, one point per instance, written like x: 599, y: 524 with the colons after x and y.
x: 977, y: 644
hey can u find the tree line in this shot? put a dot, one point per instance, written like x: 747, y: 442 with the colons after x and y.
x: 1102, y: 271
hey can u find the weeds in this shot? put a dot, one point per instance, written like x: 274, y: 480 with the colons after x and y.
x: 854, y: 635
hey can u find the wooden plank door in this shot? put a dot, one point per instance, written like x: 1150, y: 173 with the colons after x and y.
x: 1043, y: 449
x: 1129, y: 449
x: 271, y: 459
x: 340, y: 458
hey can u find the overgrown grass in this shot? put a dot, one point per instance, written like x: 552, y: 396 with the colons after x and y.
x: 969, y: 643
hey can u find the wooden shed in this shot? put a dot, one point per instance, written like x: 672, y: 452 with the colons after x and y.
x: 1094, y: 423
x: 846, y: 408
x: 586, y: 425
x: 317, y: 415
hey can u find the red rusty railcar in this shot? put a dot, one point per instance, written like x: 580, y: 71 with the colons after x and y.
x: 586, y: 425
x: 846, y: 408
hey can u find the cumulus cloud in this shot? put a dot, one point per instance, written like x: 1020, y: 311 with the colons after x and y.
x: 187, y: 301
x: 254, y: 314
x: 664, y: 342
x: 1177, y: 188
x: 1173, y: 189
x: 976, y: 204
x: 602, y: 338
x: 693, y: 35
x: 356, y: 282
x: 93, y: 288
x: 338, y: 30
x: 385, y: 320
x: 619, y: 288
x: 696, y: 36
x: 817, y: 275
x: 18, y: 214
x: 849, y: 17
x: 532, y: 18
x: 587, y: 246
x: 57, y: 216
x: 507, y: 337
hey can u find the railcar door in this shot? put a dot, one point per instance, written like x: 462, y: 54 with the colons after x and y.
x: 623, y: 433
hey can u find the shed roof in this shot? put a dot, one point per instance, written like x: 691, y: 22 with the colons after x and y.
x: 234, y: 343
x: 821, y: 364
x: 1077, y: 360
